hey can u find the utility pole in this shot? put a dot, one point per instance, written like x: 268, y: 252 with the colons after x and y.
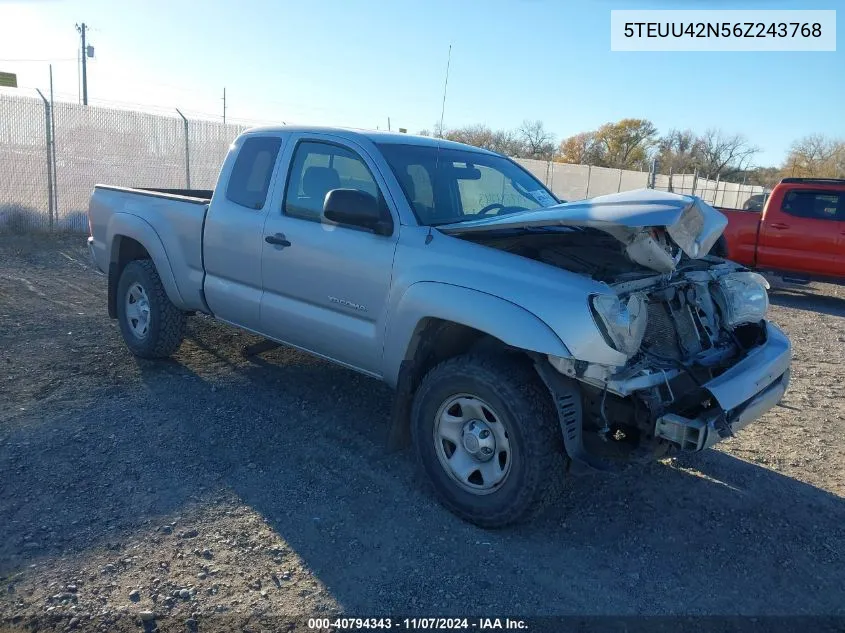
x: 224, y: 105
x: 81, y: 28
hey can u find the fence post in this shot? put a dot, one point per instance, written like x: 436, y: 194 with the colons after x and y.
x: 589, y: 172
x: 716, y: 193
x: 652, y: 176
x: 619, y: 184
x: 187, y: 151
x: 49, y: 137
x: 694, y: 181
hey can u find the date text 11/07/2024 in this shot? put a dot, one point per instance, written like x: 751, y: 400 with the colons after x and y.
x: 416, y: 624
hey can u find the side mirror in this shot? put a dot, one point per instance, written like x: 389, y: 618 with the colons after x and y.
x: 356, y: 208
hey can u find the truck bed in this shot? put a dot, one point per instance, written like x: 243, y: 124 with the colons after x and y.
x: 173, y: 220
x: 741, y: 234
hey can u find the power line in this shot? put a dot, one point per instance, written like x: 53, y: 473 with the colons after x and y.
x: 58, y: 59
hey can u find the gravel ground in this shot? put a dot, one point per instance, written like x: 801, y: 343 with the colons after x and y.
x: 230, y: 488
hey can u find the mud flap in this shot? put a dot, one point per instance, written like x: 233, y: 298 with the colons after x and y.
x: 400, y: 418
x: 567, y: 398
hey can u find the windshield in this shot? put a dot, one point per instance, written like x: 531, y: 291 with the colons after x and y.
x: 449, y: 185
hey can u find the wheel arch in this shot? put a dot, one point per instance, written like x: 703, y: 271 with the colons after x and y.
x: 132, y: 238
x: 426, y: 306
x: 434, y: 322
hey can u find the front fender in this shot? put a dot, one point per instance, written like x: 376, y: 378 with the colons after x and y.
x: 136, y: 228
x: 506, y: 321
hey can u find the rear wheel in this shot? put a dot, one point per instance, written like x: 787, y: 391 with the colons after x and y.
x: 151, y: 325
x: 487, y: 437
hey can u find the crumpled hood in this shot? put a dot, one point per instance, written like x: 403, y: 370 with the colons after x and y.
x: 628, y: 216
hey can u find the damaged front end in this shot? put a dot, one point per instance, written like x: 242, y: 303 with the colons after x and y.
x: 701, y: 361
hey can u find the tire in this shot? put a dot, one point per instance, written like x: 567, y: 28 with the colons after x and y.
x: 165, y: 323
x: 506, y: 398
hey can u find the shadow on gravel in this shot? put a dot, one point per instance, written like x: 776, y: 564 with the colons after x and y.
x: 808, y: 300
x: 302, y: 442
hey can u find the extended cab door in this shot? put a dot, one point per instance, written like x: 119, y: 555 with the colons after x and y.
x: 802, y: 232
x: 233, y: 233
x: 326, y: 285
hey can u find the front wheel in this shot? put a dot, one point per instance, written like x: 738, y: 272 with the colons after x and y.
x: 488, y: 439
x: 151, y: 325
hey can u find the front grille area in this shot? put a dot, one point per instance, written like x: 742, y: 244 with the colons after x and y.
x: 671, y: 332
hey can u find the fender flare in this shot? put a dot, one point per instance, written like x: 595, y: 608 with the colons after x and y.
x: 136, y: 228
x: 506, y: 321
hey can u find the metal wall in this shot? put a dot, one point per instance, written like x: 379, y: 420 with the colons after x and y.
x: 576, y: 182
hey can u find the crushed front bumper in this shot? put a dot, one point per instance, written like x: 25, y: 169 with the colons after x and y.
x: 743, y: 393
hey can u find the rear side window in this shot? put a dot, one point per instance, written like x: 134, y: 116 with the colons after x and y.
x: 253, y: 169
x: 816, y: 205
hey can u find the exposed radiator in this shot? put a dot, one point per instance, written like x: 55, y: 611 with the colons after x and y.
x: 663, y: 332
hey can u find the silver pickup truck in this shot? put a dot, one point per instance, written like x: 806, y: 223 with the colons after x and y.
x: 523, y: 336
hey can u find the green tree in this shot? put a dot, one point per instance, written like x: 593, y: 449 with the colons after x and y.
x: 580, y: 149
x: 626, y: 144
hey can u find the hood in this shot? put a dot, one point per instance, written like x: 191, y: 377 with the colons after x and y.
x: 629, y: 217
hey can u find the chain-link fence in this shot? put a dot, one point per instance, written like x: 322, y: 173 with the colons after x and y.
x: 50, y: 161
x: 51, y: 158
x: 24, y: 163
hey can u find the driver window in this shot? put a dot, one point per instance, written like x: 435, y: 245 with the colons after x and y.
x: 316, y: 169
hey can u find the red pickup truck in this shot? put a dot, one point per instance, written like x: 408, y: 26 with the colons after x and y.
x: 799, y: 235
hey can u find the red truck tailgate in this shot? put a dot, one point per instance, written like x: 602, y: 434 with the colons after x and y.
x: 741, y: 234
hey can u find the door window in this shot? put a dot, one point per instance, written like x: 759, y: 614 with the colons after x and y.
x: 317, y: 168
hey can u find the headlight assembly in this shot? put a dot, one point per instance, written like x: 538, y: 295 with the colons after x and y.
x: 621, y: 323
x: 742, y: 298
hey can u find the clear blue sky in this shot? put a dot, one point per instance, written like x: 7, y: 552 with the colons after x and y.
x: 358, y: 62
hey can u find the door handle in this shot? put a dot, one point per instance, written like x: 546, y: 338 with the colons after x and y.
x: 278, y: 239
x: 779, y: 225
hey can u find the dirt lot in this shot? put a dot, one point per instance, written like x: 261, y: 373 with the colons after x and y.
x: 223, y: 485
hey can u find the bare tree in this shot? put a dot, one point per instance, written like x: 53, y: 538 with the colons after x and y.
x: 816, y: 156
x: 679, y: 152
x: 538, y: 142
x: 725, y: 155
x: 508, y: 143
x: 478, y: 135
x: 504, y: 142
